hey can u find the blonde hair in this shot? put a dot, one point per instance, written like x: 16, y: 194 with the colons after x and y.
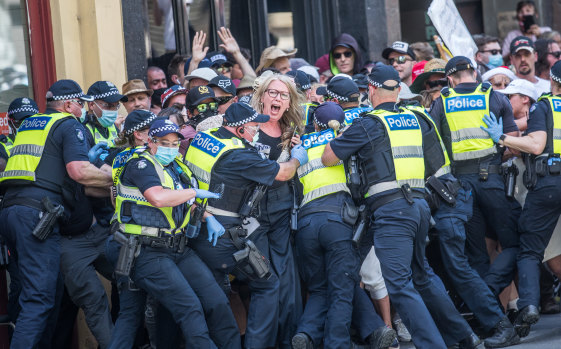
x: 293, y: 117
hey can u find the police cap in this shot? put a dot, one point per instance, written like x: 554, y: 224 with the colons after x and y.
x: 457, y: 64
x: 341, y: 87
x: 106, y: 91
x: 163, y: 127
x: 21, y: 108
x: 555, y: 72
x: 328, y: 111
x: 66, y: 89
x: 360, y: 80
x: 384, y: 76
x: 240, y: 113
x: 138, y: 120
x: 301, y: 79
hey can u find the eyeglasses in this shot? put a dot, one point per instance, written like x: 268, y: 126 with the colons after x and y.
x: 555, y: 54
x: 437, y: 83
x: 206, y: 106
x: 108, y: 106
x: 493, y: 52
x: 347, y: 54
x: 274, y: 93
x: 167, y: 144
x: 224, y: 99
x: 223, y: 69
x: 399, y: 60
x: 79, y: 101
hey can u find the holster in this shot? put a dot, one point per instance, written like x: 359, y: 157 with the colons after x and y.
x: 249, y: 260
x: 49, y: 218
x: 349, y: 213
x: 444, y: 190
x: 530, y: 177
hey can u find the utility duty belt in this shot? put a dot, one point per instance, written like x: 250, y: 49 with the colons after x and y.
x: 483, y: 169
x: 348, y: 212
x: 405, y: 192
x: 540, y: 166
x: 438, y: 190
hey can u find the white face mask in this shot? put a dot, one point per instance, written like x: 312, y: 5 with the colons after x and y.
x: 255, y: 138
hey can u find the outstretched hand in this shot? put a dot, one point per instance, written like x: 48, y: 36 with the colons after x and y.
x: 494, y: 128
x: 199, y: 50
x: 229, y: 42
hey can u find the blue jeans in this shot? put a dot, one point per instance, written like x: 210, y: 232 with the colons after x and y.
x: 450, y: 228
x: 400, y: 231
x: 182, y: 283
x: 537, y: 222
x: 39, y: 272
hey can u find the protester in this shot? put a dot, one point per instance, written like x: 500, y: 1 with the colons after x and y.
x: 523, y: 57
x: 499, y: 78
x: 401, y: 56
x: 548, y: 52
x: 526, y: 14
x: 488, y: 55
x: 344, y: 56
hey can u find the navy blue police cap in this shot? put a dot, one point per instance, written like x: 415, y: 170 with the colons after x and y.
x: 384, y: 76
x: 555, y: 72
x: 66, y: 89
x: 240, y: 113
x: 328, y: 111
x: 224, y: 83
x: 360, y: 80
x: 138, y: 120
x: 341, y: 87
x: 301, y: 79
x: 21, y: 108
x: 106, y: 91
x: 198, y: 94
x: 456, y: 64
x: 163, y: 127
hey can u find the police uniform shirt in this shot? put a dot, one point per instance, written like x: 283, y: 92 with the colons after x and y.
x: 539, y: 114
x: 66, y: 143
x: 498, y: 104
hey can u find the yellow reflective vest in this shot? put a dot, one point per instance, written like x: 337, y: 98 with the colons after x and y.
x: 464, y: 113
x: 28, y: 147
x: 319, y: 180
x: 98, y: 137
x: 555, y: 104
x: 136, y: 215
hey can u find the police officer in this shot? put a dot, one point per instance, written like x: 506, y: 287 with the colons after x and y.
x: 225, y: 156
x: 389, y: 144
x: 452, y: 207
x: 304, y: 86
x: 543, y: 202
x: 343, y: 91
x: 476, y: 161
x: 327, y: 261
x: 18, y: 110
x: 103, y: 111
x: 49, y: 149
x: 152, y: 205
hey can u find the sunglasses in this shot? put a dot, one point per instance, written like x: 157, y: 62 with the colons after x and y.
x: 399, y: 60
x: 493, y: 52
x: 347, y: 54
x: 223, y: 100
x: 206, y: 106
x: 275, y: 93
x: 555, y: 54
x: 178, y: 106
x: 223, y: 69
x: 437, y: 83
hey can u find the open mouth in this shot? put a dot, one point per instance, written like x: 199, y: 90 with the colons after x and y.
x: 275, y: 108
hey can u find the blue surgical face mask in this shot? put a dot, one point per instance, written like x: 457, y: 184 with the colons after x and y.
x: 83, y: 116
x: 107, y: 118
x: 495, y: 61
x: 165, y: 155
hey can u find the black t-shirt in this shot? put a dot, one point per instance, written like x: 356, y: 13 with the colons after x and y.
x: 498, y: 104
x: 66, y: 143
x: 271, y: 148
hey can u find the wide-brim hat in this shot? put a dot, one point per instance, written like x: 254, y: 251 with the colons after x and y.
x: 434, y: 66
x: 136, y: 86
x: 270, y: 54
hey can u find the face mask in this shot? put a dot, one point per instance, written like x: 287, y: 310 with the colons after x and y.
x: 495, y: 61
x: 165, y: 155
x: 83, y: 116
x: 255, y: 139
x: 107, y: 118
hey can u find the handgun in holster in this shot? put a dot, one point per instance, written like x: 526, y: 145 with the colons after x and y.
x: 361, y: 226
x: 249, y: 260
x: 509, y: 171
x: 130, y: 249
x: 48, y: 219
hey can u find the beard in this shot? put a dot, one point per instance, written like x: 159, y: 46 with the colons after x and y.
x: 525, y: 70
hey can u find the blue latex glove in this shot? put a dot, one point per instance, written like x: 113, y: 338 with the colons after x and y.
x: 494, y: 128
x: 299, y: 153
x: 97, y: 150
x: 214, y: 229
x: 205, y: 194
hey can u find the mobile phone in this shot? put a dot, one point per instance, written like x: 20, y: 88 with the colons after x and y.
x: 528, y: 20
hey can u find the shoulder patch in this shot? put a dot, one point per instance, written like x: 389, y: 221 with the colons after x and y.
x: 80, y: 135
x: 533, y: 107
x: 141, y: 164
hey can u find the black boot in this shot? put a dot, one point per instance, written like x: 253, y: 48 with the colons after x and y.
x: 504, y: 335
x: 527, y: 316
x: 302, y: 341
x: 382, y: 337
x: 470, y: 342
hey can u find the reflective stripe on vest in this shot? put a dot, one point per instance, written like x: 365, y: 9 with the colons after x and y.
x: 204, y: 152
x: 98, y: 137
x: 406, y: 140
x: 555, y: 103
x: 135, y: 197
x: 317, y: 179
x: 464, y: 113
x: 28, y: 147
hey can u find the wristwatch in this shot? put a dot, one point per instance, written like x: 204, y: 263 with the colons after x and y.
x: 502, y: 139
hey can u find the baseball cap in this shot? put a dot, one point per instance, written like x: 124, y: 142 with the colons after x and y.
x: 137, y: 120
x: 136, y: 86
x: 322, y: 63
x: 311, y: 71
x: 20, y: 108
x: 523, y: 87
x: 457, y: 64
x: 300, y: 79
x: 224, y: 83
x: 406, y: 93
x: 170, y: 92
x: 66, y: 89
x: 418, y: 69
x: 106, y: 91
x: 204, y: 63
x: 384, y: 76
x: 163, y: 127
x: 521, y: 43
x: 201, y: 73
x: 400, y: 47
x: 555, y: 72
x: 360, y: 80
x: 341, y: 87
x: 270, y: 54
x: 217, y: 58
x: 198, y: 94
x: 241, y: 113
x: 328, y: 111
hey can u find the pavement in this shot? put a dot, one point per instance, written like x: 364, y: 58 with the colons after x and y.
x: 546, y: 334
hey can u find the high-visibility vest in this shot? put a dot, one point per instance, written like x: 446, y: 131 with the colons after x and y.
x: 26, y: 153
x: 553, y: 144
x: 353, y: 113
x: 406, y: 152
x: 132, y: 206
x: 464, y: 113
x: 319, y: 180
x: 98, y: 137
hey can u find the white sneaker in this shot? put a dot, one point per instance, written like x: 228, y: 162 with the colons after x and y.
x: 402, y: 333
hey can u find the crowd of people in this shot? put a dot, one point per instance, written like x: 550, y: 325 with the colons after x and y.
x: 348, y: 203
